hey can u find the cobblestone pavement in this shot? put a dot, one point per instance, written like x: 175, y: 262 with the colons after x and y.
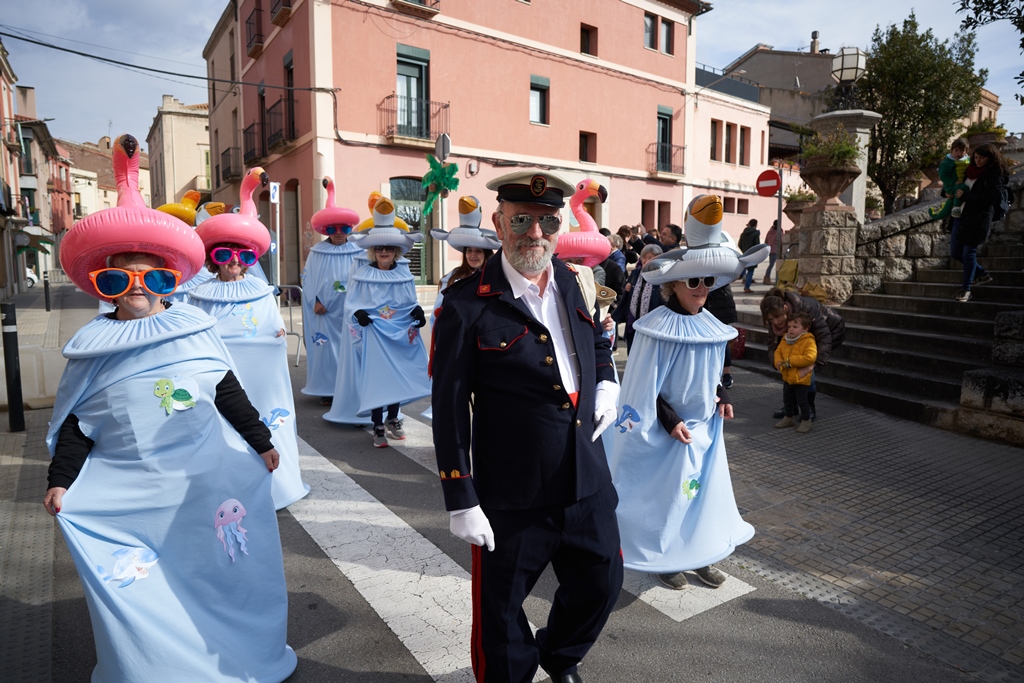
x: 912, y: 530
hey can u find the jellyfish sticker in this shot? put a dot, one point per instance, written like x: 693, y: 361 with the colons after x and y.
x: 228, y: 523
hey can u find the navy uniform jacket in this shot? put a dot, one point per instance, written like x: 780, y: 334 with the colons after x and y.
x: 530, y: 446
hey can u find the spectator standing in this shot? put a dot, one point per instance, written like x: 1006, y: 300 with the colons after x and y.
x: 795, y: 360
x: 631, y: 244
x: 986, y: 178
x: 671, y: 237
x: 640, y: 296
x: 750, y: 237
x: 772, y: 239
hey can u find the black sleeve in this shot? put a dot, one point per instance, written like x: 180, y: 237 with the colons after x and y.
x: 236, y: 408
x: 69, y: 455
x: 666, y: 416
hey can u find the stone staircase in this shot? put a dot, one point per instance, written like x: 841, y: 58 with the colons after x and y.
x: 907, y: 348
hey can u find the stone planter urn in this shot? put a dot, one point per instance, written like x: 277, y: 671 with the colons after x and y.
x: 979, y: 139
x: 828, y: 182
x: 795, y: 208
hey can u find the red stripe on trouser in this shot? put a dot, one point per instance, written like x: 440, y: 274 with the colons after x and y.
x: 476, y: 646
x: 574, y: 397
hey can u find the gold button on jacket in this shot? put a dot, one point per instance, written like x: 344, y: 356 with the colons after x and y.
x: 565, y: 406
x: 548, y: 360
x: 543, y: 337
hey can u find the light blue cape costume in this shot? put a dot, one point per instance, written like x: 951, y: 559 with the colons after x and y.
x: 385, y: 363
x: 325, y: 279
x: 181, y: 293
x: 170, y: 522
x: 247, y: 320
x: 676, y: 508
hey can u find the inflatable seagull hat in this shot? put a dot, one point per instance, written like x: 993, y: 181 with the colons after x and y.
x: 705, y: 253
x: 384, y: 228
x: 469, y: 234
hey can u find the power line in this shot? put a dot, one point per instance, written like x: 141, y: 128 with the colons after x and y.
x: 121, y: 64
x: 82, y: 42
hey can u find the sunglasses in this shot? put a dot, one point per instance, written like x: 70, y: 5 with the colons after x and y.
x: 385, y: 248
x: 695, y: 282
x: 335, y: 229
x: 113, y: 282
x: 520, y: 223
x: 222, y: 255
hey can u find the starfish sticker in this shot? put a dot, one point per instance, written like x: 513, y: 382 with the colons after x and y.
x: 386, y: 312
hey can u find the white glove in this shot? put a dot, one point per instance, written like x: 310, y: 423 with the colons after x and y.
x: 471, y: 525
x: 605, y: 406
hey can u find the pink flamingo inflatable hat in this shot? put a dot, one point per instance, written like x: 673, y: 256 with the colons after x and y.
x: 331, y: 214
x: 588, y: 243
x: 469, y: 234
x: 243, y: 227
x: 131, y: 226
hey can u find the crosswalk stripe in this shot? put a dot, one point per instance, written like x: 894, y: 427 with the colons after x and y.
x: 679, y: 605
x: 421, y: 594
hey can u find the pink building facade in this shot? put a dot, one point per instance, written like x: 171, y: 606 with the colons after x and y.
x: 588, y: 88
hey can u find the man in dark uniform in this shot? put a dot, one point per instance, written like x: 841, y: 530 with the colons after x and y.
x: 524, y: 474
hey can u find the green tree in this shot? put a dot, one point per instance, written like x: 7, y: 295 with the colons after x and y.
x: 984, y: 12
x: 922, y: 88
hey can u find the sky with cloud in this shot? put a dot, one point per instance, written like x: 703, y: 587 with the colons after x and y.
x: 88, y: 99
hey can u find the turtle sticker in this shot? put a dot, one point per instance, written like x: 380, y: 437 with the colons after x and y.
x: 338, y: 287
x: 179, y: 393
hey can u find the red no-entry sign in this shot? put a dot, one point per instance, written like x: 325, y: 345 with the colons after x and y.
x: 768, y: 183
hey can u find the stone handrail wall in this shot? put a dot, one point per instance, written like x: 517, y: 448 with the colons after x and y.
x: 895, y: 247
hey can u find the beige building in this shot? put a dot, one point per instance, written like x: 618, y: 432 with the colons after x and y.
x: 221, y: 55
x: 988, y: 109
x: 179, y: 151
x: 96, y: 158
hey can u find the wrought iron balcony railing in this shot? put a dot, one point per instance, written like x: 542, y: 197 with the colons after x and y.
x: 254, y: 146
x: 412, y: 117
x: 280, y: 122
x: 280, y: 12
x: 665, y: 158
x: 230, y: 164
x: 254, y: 33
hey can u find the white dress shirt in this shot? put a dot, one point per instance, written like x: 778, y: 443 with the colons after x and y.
x: 549, y: 310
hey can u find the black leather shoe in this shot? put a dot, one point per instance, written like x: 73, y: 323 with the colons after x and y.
x: 565, y: 678
x: 779, y: 414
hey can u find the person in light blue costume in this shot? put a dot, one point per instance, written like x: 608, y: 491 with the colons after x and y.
x: 250, y: 323
x: 385, y: 365
x: 160, y: 473
x: 324, y: 284
x: 207, y: 210
x: 677, y: 511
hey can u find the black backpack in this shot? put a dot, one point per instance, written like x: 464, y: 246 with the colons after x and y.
x: 1003, y: 207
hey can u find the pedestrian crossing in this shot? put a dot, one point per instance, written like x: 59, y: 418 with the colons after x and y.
x: 423, y: 595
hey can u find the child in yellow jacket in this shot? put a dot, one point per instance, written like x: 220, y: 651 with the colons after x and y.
x: 794, y: 357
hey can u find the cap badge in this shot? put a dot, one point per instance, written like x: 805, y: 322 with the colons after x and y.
x: 538, y: 184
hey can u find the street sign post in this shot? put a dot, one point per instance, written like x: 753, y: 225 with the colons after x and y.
x: 769, y: 183
x: 275, y: 200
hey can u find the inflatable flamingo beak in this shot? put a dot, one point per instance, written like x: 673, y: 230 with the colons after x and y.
x: 327, y: 181
x: 602, y: 193
x: 129, y: 144
x: 264, y: 179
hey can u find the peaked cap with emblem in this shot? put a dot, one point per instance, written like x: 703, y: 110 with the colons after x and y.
x: 532, y: 187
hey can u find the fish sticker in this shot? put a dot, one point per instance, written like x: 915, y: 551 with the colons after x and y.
x: 320, y: 339
x: 276, y: 419
x: 630, y: 418
x: 130, y: 564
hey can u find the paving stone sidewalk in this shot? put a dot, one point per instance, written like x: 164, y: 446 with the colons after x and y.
x: 912, y: 530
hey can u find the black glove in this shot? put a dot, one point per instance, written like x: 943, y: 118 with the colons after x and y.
x: 362, y: 317
x: 419, y: 317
